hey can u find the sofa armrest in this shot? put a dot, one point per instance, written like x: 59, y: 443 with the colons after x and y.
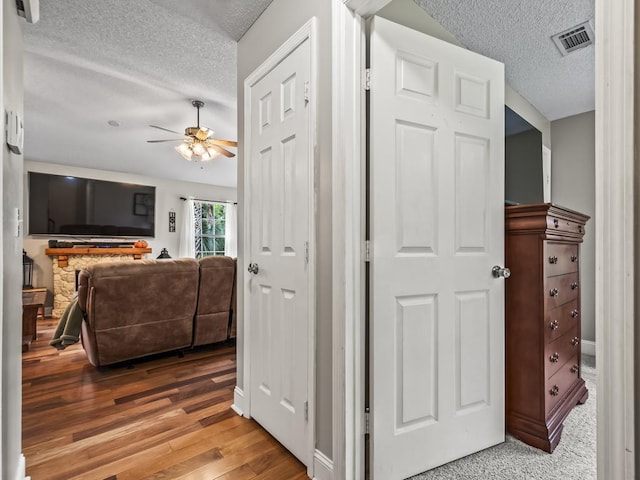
x: 215, y: 290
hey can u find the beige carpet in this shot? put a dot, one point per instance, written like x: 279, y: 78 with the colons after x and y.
x: 573, y: 459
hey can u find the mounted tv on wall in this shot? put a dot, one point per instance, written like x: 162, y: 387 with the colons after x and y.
x: 85, y: 207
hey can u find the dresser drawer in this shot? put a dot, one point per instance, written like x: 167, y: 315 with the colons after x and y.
x: 560, y: 258
x: 562, y: 225
x: 560, y: 289
x: 559, y: 384
x: 558, y: 352
x: 560, y: 320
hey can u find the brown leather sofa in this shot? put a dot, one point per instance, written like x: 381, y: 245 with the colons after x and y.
x: 142, y: 307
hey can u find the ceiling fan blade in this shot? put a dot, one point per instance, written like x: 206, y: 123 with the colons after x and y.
x: 221, y: 150
x: 165, y: 129
x: 169, y: 140
x: 227, y: 143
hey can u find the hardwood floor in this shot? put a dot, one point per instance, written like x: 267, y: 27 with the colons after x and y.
x: 164, y: 418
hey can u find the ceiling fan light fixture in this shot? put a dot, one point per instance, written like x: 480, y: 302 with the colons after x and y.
x: 213, y: 153
x: 204, y: 133
x: 198, y: 149
x: 184, y: 149
x: 198, y: 143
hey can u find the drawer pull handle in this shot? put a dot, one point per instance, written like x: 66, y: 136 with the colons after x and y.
x: 555, y: 222
x: 553, y: 325
x: 574, y: 313
x: 574, y: 258
x: 575, y: 369
x: 574, y: 285
x: 575, y: 341
x: 553, y: 292
x: 553, y: 259
x: 554, y: 358
x: 555, y: 390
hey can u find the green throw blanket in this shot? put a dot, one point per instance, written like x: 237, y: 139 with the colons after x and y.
x: 68, y: 331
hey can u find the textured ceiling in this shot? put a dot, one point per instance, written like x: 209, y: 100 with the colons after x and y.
x: 518, y: 33
x: 139, y: 63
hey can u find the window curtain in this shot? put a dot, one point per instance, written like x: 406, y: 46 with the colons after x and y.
x: 187, y: 229
x: 231, y: 230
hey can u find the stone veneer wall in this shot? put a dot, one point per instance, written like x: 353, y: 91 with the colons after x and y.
x: 64, y: 278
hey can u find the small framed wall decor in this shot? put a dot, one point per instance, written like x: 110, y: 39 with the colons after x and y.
x: 172, y: 221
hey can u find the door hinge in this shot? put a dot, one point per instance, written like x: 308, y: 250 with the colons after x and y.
x: 306, y: 252
x: 307, y: 94
x: 367, y: 79
x: 306, y: 411
x: 367, y: 250
x: 367, y: 428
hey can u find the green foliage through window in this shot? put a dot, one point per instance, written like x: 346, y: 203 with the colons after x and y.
x: 209, y: 234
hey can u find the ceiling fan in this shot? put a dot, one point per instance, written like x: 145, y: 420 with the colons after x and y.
x: 198, y: 143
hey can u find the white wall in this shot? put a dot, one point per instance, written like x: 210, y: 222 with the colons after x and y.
x: 573, y: 186
x: 279, y: 21
x: 168, y: 193
x: 11, y: 345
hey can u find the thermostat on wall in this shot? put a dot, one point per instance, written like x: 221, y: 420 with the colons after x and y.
x: 15, y: 132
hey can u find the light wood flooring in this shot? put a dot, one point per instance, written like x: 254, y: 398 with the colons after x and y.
x: 165, y: 418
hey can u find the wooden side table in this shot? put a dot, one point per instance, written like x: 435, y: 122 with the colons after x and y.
x: 36, y: 296
x: 29, y: 317
x: 33, y: 300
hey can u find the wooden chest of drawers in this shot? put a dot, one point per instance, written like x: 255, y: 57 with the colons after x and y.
x: 542, y: 317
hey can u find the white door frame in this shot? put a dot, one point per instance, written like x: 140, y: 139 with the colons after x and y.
x: 348, y: 220
x: 306, y: 32
x: 614, y: 245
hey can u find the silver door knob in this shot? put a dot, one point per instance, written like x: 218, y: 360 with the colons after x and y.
x: 253, y: 268
x: 498, y: 272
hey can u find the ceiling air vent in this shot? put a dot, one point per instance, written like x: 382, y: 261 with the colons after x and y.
x: 577, y: 37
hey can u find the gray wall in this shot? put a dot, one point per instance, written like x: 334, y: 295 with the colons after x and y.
x: 279, y: 21
x: 523, y: 181
x: 573, y: 186
x: 11, y: 391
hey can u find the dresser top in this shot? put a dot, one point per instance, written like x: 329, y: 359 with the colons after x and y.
x: 545, y: 218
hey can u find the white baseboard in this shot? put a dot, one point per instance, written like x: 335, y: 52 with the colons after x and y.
x: 22, y: 469
x: 238, y: 401
x: 589, y: 347
x: 322, y: 466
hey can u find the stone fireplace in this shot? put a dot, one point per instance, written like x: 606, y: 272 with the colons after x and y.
x: 67, y: 260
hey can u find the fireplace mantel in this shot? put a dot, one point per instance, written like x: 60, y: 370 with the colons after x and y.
x: 67, y: 261
x: 62, y: 254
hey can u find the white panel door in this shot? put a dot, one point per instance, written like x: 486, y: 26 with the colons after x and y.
x: 279, y: 314
x: 437, y: 226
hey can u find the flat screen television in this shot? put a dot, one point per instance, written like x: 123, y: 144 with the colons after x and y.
x: 86, y: 207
